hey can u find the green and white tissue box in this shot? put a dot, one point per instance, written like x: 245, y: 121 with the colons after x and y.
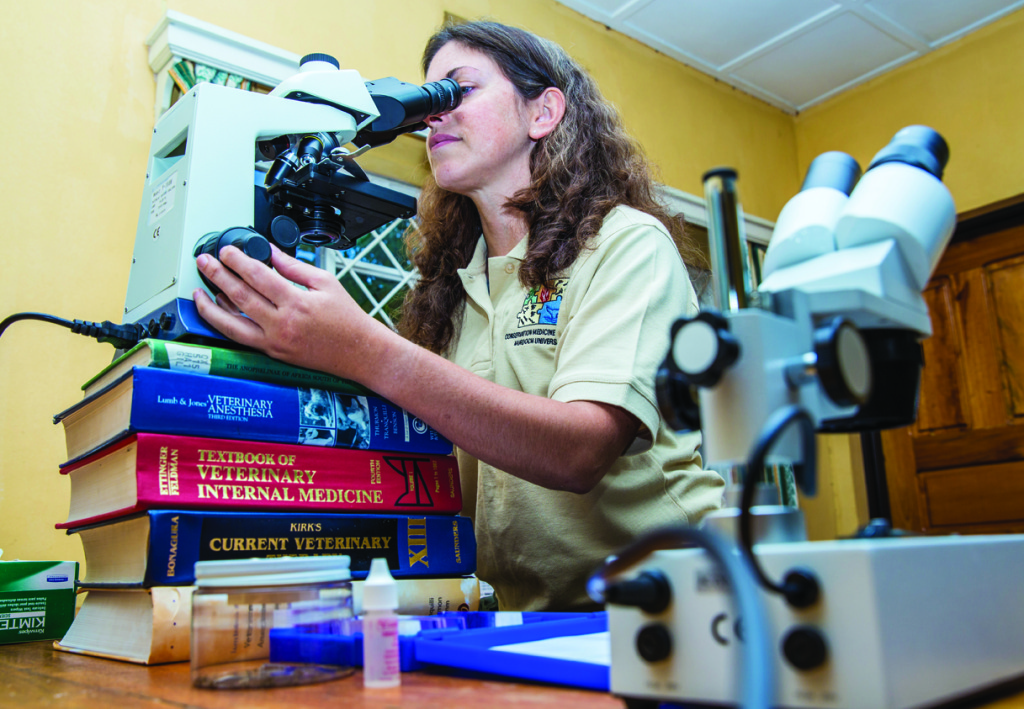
x: 37, y: 599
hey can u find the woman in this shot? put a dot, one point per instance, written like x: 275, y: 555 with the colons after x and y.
x: 549, y: 282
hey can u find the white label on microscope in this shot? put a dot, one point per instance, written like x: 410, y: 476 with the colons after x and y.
x: 162, y: 199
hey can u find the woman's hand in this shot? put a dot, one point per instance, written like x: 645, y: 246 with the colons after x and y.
x: 318, y: 328
x: 564, y: 446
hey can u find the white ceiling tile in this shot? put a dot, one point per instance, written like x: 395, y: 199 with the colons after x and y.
x: 935, y: 20
x: 718, y: 32
x: 810, y: 65
x: 606, y: 7
x: 793, y: 53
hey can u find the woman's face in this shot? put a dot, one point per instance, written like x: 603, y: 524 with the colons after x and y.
x: 482, y: 148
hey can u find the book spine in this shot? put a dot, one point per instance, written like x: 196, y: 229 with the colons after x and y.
x: 208, y: 473
x: 236, y: 364
x: 201, y: 405
x: 413, y: 546
x: 428, y: 596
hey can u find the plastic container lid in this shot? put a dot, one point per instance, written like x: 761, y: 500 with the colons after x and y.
x: 282, y: 571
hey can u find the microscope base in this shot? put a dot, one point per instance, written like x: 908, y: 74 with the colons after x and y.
x: 906, y: 622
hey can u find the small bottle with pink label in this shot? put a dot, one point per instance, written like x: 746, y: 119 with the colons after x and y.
x: 381, y: 660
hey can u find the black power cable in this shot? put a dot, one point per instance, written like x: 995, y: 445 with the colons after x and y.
x: 799, y: 587
x: 120, y: 336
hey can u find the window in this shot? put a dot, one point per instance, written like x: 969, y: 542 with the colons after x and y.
x: 376, y: 271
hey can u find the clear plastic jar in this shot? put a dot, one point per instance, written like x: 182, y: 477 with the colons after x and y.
x: 237, y: 602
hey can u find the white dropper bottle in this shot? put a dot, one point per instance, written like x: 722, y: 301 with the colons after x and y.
x: 381, y: 661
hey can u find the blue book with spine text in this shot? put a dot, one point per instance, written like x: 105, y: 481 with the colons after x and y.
x: 166, y: 544
x: 181, y: 403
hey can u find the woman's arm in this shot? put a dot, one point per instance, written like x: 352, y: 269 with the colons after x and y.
x: 558, y: 445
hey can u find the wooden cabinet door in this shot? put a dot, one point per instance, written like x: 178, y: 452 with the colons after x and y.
x: 960, y: 467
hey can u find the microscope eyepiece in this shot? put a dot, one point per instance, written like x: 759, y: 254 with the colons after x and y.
x: 833, y: 169
x: 445, y: 95
x: 405, y: 105
x: 919, y: 146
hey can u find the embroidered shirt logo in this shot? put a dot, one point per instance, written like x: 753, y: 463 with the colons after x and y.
x: 541, y: 304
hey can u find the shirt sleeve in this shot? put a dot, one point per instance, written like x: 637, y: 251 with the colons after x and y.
x: 621, y: 304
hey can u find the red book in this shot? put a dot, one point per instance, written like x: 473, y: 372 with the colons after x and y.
x: 154, y: 470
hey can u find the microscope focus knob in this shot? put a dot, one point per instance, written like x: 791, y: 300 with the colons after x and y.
x: 676, y: 399
x: 843, y: 363
x: 249, y: 241
x: 702, y: 348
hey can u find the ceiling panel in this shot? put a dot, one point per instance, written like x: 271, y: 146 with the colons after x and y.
x: 794, y: 53
x: 936, y: 20
x: 803, y: 69
x: 706, y: 30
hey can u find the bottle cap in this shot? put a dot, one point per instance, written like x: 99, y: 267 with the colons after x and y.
x: 380, y: 592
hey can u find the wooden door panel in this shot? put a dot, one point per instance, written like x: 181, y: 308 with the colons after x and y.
x: 985, y: 397
x: 960, y: 467
x: 1007, y: 284
x: 979, y: 494
x: 940, y: 405
x: 954, y: 450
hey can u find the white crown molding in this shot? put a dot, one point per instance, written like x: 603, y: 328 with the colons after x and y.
x: 179, y: 36
x: 694, y: 209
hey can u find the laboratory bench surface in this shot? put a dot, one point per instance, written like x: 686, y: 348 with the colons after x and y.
x: 36, y: 675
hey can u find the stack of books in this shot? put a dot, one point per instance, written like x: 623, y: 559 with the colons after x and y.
x: 181, y: 453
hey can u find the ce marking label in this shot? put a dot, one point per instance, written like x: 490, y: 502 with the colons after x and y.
x: 720, y: 629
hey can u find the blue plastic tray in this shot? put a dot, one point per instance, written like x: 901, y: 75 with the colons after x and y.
x: 472, y: 650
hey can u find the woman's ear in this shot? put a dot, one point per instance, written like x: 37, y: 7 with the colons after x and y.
x: 548, y: 109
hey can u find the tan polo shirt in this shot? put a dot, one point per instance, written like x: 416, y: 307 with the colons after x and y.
x: 598, y: 334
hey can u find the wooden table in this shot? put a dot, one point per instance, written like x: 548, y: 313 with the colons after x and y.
x: 36, y: 675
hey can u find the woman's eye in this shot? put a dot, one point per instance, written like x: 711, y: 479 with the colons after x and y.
x: 466, y: 90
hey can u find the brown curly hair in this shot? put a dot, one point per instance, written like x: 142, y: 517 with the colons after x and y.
x: 585, y: 167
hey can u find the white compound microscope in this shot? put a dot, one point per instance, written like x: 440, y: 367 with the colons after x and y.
x: 234, y: 167
x: 830, y: 341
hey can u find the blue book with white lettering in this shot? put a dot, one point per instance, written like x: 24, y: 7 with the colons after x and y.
x: 153, y: 400
x: 161, y: 547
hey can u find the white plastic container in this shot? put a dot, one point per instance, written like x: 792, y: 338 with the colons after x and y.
x: 381, y: 660
x: 238, y: 602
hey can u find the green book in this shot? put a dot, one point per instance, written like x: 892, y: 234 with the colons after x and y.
x: 37, y: 599
x: 183, y: 75
x: 220, y: 362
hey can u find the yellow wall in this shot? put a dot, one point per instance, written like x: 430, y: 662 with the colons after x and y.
x: 77, y: 116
